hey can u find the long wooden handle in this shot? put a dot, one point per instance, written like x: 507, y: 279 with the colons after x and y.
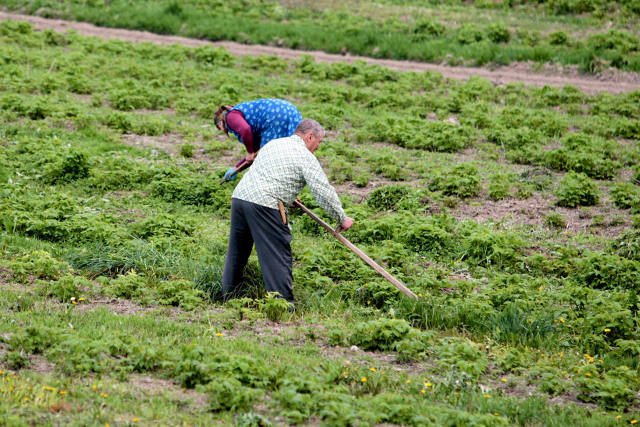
x: 395, y: 282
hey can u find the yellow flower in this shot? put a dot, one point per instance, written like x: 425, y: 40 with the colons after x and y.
x: 372, y: 369
x: 48, y: 388
x: 103, y: 394
x: 607, y: 330
x: 423, y: 391
x: 486, y: 395
x: 219, y: 334
x: 80, y: 299
x: 618, y: 417
x: 135, y: 419
x: 427, y: 384
x: 363, y: 379
x: 63, y: 392
x: 587, y: 374
x: 561, y: 320
x: 94, y: 387
x: 408, y: 382
x: 633, y: 421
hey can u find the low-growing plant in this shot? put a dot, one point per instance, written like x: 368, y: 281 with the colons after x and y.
x: 130, y: 285
x: 576, y: 189
x: 461, y: 355
x: 16, y: 360
x: 228, y: 394
x: 40, y: 265
x: 615, y: 390
x: 415, y: 346
x: 66, y: 289
x: 387, y: 197
x: 275, y: 307
x: 181, y: 293
x: 625, y: 195
x: 377, y: 294
x: 381, y: 334
x: 499, y: 186
x: 462, y: 181
x: 627, y: 245
x: 555, y: 220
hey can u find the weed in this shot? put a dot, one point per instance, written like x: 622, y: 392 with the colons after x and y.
x: 576, y: 189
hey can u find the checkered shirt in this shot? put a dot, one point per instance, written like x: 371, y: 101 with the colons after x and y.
x: 280, y: 172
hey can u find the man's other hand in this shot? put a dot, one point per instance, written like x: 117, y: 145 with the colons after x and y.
x: 346, y: 224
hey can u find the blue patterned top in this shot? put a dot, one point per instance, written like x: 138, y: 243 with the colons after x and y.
x: 269, y: 119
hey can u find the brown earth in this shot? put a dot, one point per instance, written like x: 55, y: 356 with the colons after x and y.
x: 613, y: 81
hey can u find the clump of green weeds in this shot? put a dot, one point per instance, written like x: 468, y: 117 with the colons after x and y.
x: 576, y: 189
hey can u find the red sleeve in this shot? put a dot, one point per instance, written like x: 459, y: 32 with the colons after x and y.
x: 237, y: 123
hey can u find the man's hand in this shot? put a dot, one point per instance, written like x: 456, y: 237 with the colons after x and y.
x: 346, y: 224
x: 230, y: 174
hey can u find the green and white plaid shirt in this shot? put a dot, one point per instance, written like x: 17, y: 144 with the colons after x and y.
x: 280, y: 172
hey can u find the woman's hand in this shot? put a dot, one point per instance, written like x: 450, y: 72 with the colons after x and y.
x: 249, y: 158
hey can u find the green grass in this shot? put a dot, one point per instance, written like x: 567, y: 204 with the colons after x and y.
x: 112, y: 244
x: 453, y: 32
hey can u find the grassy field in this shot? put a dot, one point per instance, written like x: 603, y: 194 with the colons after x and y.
x: 592, y: 35
x: 511, y: 211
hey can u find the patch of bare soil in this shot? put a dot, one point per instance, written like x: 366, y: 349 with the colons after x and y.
x: 172, y: 143
x: 156, y: 386
x: 168, y: 143
x: 601, y: 220
x: 613, y: 81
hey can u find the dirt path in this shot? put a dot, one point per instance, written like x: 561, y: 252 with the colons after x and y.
x: 612, y: 81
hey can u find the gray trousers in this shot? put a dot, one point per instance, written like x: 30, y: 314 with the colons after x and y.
x: 252, y: 223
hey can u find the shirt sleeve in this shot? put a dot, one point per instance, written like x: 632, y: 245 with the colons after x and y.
x: 237, y: 123
x: 321, y: 190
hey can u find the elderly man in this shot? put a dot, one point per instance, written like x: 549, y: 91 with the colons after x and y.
x: 278, y: 174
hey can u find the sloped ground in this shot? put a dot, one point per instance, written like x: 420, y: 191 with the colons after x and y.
x: 610, y: 81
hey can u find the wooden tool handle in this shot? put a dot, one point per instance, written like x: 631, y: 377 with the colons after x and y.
x: 384, y: 273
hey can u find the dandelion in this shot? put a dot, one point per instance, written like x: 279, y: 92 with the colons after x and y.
x: 618, y: 417
x: 73, y: 300
x: 372, y: 369
x: 81, y: 299
x: 94, y: 387
x: 561, y: 320
x: 503, y: 379
x: 486, y: 396
x: 219, y: 334
x: 633, y: 421
x: 363, y: 379
x: 607, y: 330
x: 103, y: 394
x: 48, y: 388
x: 423, y: 391
x: 136, y: 420
x: 63, y: 392
x: 587, y: 374
x: 428, y: 384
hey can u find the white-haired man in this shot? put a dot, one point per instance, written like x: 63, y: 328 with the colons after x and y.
x: 279, y: 173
